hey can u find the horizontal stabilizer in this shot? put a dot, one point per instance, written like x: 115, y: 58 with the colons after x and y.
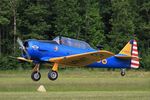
x: 123, y: 57
x: 126, y: 57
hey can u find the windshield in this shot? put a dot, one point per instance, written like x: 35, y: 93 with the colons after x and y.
x: 72, y: 42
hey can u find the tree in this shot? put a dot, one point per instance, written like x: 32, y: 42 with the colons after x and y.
x: 105, y: 7
x: 143, y: 20
x: 92, y: 25
x: 13, y: 5
x: 122, y: 22
x: 66, y: 18
x: 5, y: 27
x: 33, y: 22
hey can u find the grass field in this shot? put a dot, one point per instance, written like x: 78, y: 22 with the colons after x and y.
x: 77, y: 84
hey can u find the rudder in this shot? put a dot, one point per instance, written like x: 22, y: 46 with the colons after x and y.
x: 134, y: 53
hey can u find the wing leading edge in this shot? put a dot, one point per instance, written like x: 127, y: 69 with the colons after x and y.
x: 82, y: 59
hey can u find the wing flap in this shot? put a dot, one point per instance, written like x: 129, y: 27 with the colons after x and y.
x: 82, y: 59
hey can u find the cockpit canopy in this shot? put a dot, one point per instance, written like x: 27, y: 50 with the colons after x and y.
x: 72, y: 42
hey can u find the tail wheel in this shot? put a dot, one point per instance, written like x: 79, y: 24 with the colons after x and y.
x: 52, y: 75
x: 123, y: 72
x: 35, y: 76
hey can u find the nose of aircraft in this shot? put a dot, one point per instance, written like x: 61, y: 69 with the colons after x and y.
x: 24, y: 48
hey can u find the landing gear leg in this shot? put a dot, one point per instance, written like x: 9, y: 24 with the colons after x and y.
x: 53, y: 75
x: 123, y: 73
x: 36, y: 73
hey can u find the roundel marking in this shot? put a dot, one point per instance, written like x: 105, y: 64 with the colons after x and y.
x: 55, y: 48
x: 35, y: 47
x: 104, y: 61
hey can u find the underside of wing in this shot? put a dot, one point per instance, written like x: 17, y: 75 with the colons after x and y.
x: 82, y: 59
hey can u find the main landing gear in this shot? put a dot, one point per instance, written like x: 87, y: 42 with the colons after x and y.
x: 123, y: 73
x: 36, y: 73
x: 52, y: 74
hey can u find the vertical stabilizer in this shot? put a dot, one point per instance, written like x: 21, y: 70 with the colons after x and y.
x: 131, y: 49
x: 127, y: 49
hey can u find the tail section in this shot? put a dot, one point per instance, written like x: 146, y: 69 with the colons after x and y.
x: 134, y: 53
x: 130, y: 51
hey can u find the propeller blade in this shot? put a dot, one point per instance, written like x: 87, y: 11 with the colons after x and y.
x: 28, y: 56
x: 20, y: 43
x: 23, y: 47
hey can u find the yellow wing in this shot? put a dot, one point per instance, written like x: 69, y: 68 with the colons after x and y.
x: 24, y: 59
x: 82, y: 59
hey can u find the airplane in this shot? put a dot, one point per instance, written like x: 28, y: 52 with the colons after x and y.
x: 75, y: 53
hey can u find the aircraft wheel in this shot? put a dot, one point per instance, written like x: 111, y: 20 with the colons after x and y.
x: 53, y: 75
x: 35, y: 76
x: 123, y: 73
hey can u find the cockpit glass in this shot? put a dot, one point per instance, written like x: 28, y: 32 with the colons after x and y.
x: 72, y: 42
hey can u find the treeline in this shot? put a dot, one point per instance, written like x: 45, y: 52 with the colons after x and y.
x: 111, y: 23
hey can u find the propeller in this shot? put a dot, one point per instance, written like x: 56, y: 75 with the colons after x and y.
x: 23, y: 47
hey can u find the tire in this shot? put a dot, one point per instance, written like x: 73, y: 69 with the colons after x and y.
x: 53, y: 75
x: 36, y: 76
x: 123, y: 73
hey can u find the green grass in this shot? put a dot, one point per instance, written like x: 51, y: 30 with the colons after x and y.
x: 88, y: 95
x: 76, y: 84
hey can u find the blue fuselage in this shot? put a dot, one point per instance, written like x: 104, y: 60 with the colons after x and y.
x: 40, y: 51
